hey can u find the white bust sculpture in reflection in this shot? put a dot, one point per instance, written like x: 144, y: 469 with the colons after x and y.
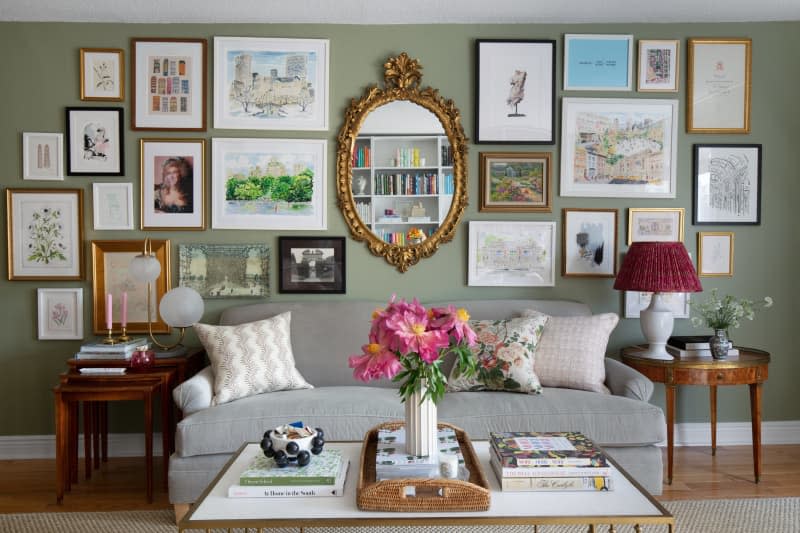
x: 361, y: 185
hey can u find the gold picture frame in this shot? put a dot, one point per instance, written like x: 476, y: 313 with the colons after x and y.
x: 655, y: 224
x: 589, y: 242
x: 102, y: 74
x: 715, y: 253
x: 504, y: 187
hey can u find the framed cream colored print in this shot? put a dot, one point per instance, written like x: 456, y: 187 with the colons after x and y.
x: 102, y: 74
x: 715, y: 253
x: 655, y: 224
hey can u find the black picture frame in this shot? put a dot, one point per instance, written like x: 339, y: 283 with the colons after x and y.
x: 95, y: 141
x: 497, y: 79
x: 723, y: 191
x: 294, y: 275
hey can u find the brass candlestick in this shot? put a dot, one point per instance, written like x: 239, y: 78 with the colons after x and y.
x: 124, y: 337
x: 110, y: 338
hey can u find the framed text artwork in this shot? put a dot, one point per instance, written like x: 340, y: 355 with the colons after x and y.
x: 42, y: 157
x: 589, y: 247
x: 598, y: 62
x: 95, y: 142
x: 112, y: 206
x: 225, y: 270
x: 60, y: 313
x: 515, y: 88
x: 515, y: 182
x: 727, y: 184
x: 655, y: 224
x: 658, y: 66
x: 103, y: 74
x: 312, y: 265
x: 513, y: 254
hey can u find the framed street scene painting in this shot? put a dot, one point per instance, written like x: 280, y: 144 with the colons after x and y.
x: 658, y: 65
x: 103, y: 74
x: 655, y: 224
x: 715, y: 253
x: 112, y: 206
x: 512, y: 254
x: 42, y: 157
x: 598, y: 62
x: 95, y: 141
x: 60, y: 313
x: 727, y: 184
x: 589, y: 246
x: 225, y: 270
x: 515, y: 182
x: 312, y: 265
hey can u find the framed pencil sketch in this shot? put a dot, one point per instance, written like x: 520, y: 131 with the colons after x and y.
x: 727, y: 184
x: 619, y: 148
x: 655, y: 224
x: 103, y: 74
x: 658, y: 65
x: 678, y: 303
x: 589, y: 247
x: 718, y: 85
x: 60, y: 313
x: 598, y: 62
x: 112, y: 206
x: 169, y: 84
x: 312, y: 265
x: 42, y: 157
x: 268, y: 184
x: 271, y: 84
x: 225, y: 270
x: 515, y: 182
x: 512, y: 254
x: 715, y: 253
x: 173, y: 184
x: 45, y: 234
x: 94, y: 141
x: 515, y: 88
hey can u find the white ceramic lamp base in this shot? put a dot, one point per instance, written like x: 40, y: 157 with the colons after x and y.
x: 657, y: 322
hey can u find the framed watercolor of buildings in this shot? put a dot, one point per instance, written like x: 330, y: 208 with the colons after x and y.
x: 512, y: 254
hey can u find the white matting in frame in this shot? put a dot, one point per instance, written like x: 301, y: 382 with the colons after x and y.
x: 60, y: 313
x: 42, y: 156
x: 636, y: 301
x: 112, y: 206
x: 513, y: 254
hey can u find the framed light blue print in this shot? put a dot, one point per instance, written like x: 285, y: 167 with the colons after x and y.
x: 598, y: 62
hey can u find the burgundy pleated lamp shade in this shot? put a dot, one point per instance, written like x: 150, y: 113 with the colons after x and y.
x: 657, y: 267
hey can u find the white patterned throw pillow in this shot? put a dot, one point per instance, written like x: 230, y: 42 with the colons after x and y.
x: 251, y: 358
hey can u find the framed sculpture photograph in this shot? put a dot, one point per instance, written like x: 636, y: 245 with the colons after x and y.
x: 45, y: 234
x: 271, y: 84
x: 515, y: 91
x: 619, y: 148
x: 589, y: 247
x: 312, y: 265
x: 225, y: 270
x: 60, y: 313
x: 512, y: 254
x: 42, y: 157
x: 95, y: 141
x: 515, y: 182
x: 111, y: 275
x: 678, y: 303
x: 718, y: 85
x: 112, y: 206
x: 658, y: 65
x: 168, y: 84
x: 268, y: 184
x: 598, y: 62
x: 173, y: 184
x: 102, y: 74
x: 655, y: 224
x: 727, y: 184
x: 715, y: 253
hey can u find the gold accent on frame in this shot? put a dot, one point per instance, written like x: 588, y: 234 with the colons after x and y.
x: 701, y: 251
x: 633, y: 211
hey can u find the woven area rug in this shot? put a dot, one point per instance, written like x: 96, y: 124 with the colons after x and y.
x: 778, y: 515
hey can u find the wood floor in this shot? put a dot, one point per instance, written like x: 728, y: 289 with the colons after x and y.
x: 29, y: 486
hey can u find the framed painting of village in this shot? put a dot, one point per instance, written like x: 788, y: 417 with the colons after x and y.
x: 511, y: 254
x: 515, y: 182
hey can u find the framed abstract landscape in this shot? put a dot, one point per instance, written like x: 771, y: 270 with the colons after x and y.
x: 515, y: 182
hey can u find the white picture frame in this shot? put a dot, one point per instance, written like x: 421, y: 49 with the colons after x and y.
x: 597, y: 62
x: 663, y: 224
x: 60, y: 313
x: 715, y: 253
x: 43, y: 156
x: 511, y: 254
x: 112, y: 206
x: 678, y: 303
x: 589, y: 247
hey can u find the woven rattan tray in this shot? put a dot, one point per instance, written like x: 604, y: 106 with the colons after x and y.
x: 429, y: 494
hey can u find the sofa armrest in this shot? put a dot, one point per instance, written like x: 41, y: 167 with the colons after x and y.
x: 625, y: 381
x: 195, y: 393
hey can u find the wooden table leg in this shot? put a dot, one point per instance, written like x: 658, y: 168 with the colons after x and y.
x: 96, y: 433
x: 71, y: 412
x: 148, y: 444
x: 713, y: 408
x: 670, y: 389
x: 755, y: 415
x: 166, y: 427
x: 103, y: 426
x: 61, y: 446
x: 88, y: 419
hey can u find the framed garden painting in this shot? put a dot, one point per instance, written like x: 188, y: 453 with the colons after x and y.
x: 169, y: 84
x: 655, y: 224
x: 225, y: 270
x: 45, y: 234
x: 42, y: 157
x: 271, y: 84
x: 589, y: 247
x: 515, y: 182
x: 598, y: 62
x: 658, y: 65
x: 60, y: 313
x: 103, y: 74
x: 94, y: 141
x: 715, y: 253
x: 619, y: 148
x: 312, y: 265
x: 515, y: 88
x: 268, y: 184
x: 513, y: 254
x: 727, y: 184
x: 112, y: 206
x: 678, y: 302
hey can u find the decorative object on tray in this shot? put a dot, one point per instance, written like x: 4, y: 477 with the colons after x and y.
x: 721, y: 314
x: 292, y: 443
x: 408, y: 343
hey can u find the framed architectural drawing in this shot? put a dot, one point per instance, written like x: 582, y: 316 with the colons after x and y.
x: 103, y: 74
x: 225, y: 270
x: 598, y: 62
x: 715, y: 253
x: 95, y: 141
x: 655, y: 224
x: 42, y: 157
x: 658, y: 66
x: 312, y: 265
x: 112, y: 206
x: 513, y: 254
x: 60, y: 313
x: 727, y: 184
x: 515, y: 182
x: 589, y: 247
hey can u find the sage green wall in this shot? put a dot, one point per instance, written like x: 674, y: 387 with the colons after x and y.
x: 39, y: 65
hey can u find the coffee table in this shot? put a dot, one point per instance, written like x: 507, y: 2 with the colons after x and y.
x: 628, y: 503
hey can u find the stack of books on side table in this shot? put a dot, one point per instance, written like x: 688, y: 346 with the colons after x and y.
x: 120, y: 350
x: 685, y: 346
x: 392, y: 462
x: 548, y: 461
x: 325, y: 475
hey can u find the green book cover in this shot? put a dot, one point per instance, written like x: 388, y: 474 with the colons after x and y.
x: 322, y: 470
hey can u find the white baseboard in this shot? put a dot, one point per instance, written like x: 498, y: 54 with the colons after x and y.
x: 686, y: 434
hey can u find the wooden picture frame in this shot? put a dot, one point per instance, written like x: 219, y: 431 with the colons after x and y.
x: 43, y: 156
x: 60, y: 313
x: 594, y: 62
x: 112, y: 206
x: 655, y: 224
x: 715, y: 253
x: 225, y: 270
x: 659, y: 65
x: 589, y: 243
x: 102, y: 74
x: 515, y: 182
x: 727, y: 184
x: 95, y: 145
x: 532, y: 264
x: 312, y: 265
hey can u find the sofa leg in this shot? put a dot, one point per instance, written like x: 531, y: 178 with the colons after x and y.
x: 180, y: 510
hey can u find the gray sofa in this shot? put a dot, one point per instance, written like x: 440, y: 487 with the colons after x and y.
x: 323, y: 334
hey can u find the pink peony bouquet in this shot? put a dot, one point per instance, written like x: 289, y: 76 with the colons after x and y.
x: 408, y: 343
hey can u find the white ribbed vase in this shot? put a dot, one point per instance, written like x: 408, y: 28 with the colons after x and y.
x: 421, y: 430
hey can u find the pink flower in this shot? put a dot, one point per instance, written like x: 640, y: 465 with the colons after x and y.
x: 376, y: 362
x: 455, y: 322
x: 411, y: 334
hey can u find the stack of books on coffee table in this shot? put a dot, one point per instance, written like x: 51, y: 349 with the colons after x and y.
x: 548, y: 461
x: 687, y: 346
x: 392, y: 461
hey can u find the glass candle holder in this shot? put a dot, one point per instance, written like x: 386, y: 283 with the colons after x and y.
x: 142, y: 358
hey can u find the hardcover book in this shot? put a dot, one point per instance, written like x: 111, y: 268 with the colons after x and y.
x: 391, y: 461
x: 120, y: 347
x: 545, y: 484
x: 543, y: 449
x: 547, y: 471
x: 679, y: 353
x: 292, y: 491
x: 689, y: 342
x: 322, y: 470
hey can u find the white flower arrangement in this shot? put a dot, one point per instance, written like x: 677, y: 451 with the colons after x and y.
x: 726, y: 312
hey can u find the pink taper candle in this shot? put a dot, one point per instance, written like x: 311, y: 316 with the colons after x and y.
x: 109, y: 321
x: 124, y: 309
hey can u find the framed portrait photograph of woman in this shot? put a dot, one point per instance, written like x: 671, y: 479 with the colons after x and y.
x: 173, y: 184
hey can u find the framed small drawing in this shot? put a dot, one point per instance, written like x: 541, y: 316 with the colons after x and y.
x: 589, y: 247
x: 718, y: 85
x: 173, y: 184
x: 112, y: 206
x: 658, y: 65
x: 618, y: 147
x: 678, y: 302
x: 225, y: 270
x: 515, y: 182
x: 45, y: 234
x: 41, y: 156
x: 169, y: 84
x: 715, y: 253
x: 512, y: 254
x: 94, y: 141
x: 515, y: 87
x: 312, y: 265
x: 727, y: 184
x: 271, y: 84
x: 598, y: 62
x: 103, y: 74
x: 60, y: 313
x: 110, y: 275
x: 268, y: 184
x: 655, y: 224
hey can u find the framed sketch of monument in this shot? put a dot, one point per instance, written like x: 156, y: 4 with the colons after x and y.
x: 225, y: 270
x: 311, y: 265
x: 727, y: 184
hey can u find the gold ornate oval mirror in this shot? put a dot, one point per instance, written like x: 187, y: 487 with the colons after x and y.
x: 401, y: 166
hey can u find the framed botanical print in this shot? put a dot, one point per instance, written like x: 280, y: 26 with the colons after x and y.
x: 42, y: 157
x: 598, y: 62
x: 45, y: 234
x: 511, y: 254
x: 589, y: 247
x: 103, y: 74
x: 312, y: 265
x: 60, y: 313
x: 515, y: 182
x: 658, y: 65
x: 112, y: 206
x: 655, y: 224
x: 225, y: 270
x: 715, y: 253
x: 95, y: 142
x: 727, y: 184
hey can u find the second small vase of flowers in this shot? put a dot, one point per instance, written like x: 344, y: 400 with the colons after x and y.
x: 721, y: 314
